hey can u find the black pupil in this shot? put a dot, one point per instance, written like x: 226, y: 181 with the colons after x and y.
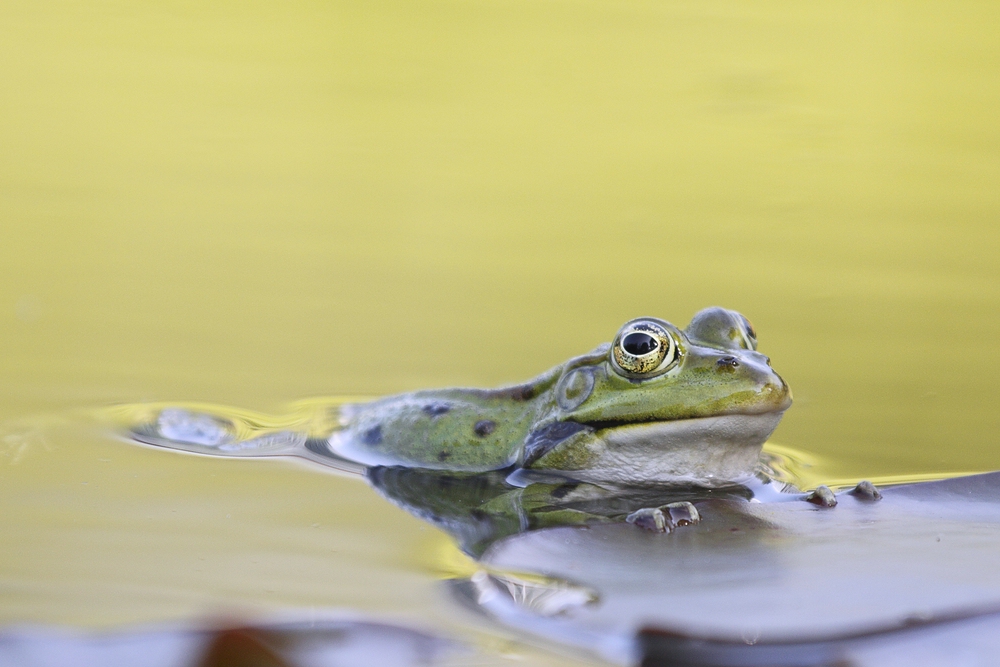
x: 639, y: 344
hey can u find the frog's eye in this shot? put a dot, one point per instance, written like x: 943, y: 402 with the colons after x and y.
x: 643, y: 348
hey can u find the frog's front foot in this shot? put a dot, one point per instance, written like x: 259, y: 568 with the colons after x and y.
x: 649, y: 518
x: 824, y: 497
x: 665, y: 518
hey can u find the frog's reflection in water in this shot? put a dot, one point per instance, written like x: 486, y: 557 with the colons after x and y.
x: 479, y: 509
x: 543, y: 570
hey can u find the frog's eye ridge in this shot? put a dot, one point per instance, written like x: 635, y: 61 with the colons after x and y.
x: 643, y: 348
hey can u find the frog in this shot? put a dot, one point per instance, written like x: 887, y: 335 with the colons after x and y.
x: 659, y: 404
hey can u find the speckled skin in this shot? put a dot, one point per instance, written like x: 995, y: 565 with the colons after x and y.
x: 585, y: 416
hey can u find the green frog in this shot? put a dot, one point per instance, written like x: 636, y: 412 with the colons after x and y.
x: 659, y: 404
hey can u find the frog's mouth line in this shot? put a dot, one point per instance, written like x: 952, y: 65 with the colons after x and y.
x: 760, y: 409
x: 738, y: 426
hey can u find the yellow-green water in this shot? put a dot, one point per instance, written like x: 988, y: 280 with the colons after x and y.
x: 253, y: 203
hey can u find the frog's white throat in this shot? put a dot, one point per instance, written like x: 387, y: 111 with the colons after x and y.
x: 708, y: 451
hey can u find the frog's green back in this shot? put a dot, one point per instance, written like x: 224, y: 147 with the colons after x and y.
x: 445, y: 429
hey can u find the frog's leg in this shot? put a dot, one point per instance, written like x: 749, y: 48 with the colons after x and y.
x: 220, y: 431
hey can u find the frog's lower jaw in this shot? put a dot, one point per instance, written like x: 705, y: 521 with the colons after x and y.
x: 708, y: 451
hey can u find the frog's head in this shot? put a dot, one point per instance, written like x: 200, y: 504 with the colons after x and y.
x: 665, y: 404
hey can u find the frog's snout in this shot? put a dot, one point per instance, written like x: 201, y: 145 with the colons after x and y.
x: 752, y: 359
x: 773, y: 393
x: 775, y: 389
x: 781, y: 393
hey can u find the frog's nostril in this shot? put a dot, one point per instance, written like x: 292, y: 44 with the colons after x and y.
x: 729, y: 361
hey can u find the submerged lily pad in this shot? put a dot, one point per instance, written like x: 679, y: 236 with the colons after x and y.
x: 279, y: 644
x: 894, y: 581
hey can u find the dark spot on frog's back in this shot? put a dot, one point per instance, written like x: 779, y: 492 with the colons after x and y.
x: 444, y: 456
x: 372, y: 436
x: 484, y: 427
x: 522, y: 392
x: 436, y: 409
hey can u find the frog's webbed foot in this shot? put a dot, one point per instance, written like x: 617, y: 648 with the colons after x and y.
x: 666, y: 518
x: 865, y: 490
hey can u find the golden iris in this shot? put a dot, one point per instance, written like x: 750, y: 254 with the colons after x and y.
x: 643, y: 347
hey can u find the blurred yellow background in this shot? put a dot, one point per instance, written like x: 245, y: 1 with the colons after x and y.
x: 251, y: 203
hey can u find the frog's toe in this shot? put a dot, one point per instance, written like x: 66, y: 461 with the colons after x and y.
x: 649, y: 518
x: 822, y: 496
x: 865, y: 490
x: 681, y: 514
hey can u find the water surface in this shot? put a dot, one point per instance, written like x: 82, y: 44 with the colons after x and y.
x: 250, y: 204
